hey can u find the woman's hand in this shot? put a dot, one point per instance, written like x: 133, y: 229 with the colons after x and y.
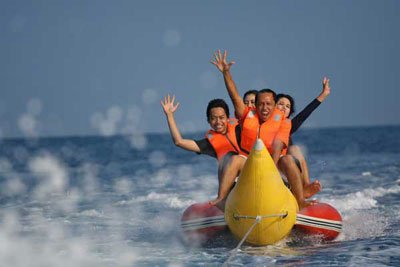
x: 326, y: 90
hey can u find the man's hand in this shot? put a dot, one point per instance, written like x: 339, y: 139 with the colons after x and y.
x: 168, y: 105
x: 220, y: 62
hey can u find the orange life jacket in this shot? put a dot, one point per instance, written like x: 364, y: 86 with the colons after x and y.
x: 224, y: 143
x: 275, y: 127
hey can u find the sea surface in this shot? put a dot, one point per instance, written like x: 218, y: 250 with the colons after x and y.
x: 105, y: 201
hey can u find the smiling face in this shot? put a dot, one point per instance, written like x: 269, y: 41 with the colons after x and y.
x: 265, y: 105
x: 218, y: 120
x: 284, y: 105
x: 250, y: 100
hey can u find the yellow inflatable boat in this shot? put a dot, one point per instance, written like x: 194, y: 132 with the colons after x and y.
x: 260, y: 205
x: 260, y: 209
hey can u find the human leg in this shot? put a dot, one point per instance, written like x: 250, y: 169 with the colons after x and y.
x: 309, y: 188
x: 229, y: 169
x: 295, y: 151
x: 287, y: 165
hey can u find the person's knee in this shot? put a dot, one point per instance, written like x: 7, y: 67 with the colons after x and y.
x: 285, y: 161
x: 287, y: 164
x: 237, y: 161
x: 225, y: 162
x: 296, y: 151
x: 232, y: 164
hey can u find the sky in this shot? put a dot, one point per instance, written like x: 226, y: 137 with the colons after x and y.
x: 82, y: 67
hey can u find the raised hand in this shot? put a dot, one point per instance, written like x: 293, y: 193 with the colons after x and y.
x: 326, y: 90
x: 168, y: 105
x: 220, y: 62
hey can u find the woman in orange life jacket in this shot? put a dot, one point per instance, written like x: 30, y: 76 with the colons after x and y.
x: 220, y: 141
x: 286, y: 104
x: 254, y: 119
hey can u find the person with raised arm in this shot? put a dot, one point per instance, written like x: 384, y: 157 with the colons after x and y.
x: 286, y: 104
x: 220, y: 141
x: 268, y: 123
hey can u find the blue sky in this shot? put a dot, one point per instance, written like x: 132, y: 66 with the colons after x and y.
x: 101, y: 67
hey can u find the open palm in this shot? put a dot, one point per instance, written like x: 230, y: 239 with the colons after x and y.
x: 220, y: 62
x: 326, y: 89
x: 168, y: 104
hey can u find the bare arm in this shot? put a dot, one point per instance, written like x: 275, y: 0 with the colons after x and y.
x: 281, y: 140
x: 169, y: 108
x: 224, y: 67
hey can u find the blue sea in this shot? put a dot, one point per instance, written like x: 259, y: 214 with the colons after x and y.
x: 104, y: 201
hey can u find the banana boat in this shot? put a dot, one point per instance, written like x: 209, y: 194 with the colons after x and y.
x: 260, y: 193
x: 260, y: 209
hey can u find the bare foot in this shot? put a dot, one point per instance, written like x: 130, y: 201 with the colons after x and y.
x: 218, y: 202
x: 215, y: 201
x: 311, y: 189
x: 307, y: 203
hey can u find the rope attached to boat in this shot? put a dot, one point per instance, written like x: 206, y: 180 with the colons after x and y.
x: 258, y: 219
x: 237, y: 217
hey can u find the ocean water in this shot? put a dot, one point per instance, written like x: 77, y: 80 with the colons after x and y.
x: 101, y: 201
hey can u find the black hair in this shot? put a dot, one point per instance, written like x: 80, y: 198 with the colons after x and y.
x: 250, y: 92
x: 217, y: 103
x: 291, y: 100
x: 266, y: 90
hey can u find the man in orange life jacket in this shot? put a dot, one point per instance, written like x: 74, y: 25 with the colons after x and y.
x: 272, y: 127
x: 220, y: 141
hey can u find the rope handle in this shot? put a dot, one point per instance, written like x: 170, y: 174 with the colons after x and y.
x: 257, y: 220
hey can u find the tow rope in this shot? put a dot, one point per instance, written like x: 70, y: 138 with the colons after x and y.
x: 257, y: 219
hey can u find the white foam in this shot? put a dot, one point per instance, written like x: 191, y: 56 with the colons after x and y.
x: 175, y: 202
x: 92, y: 213
x: 361, y: 213
x: 123, y: 185
x: 170, y: 200
x: 365, y: 199
x: 138, y: 141
x: 363, y: 224
x: 90, y: 184
x: 107, y: 124
x: 50, y: 233
x: 27, y: 123
x: 14, y: 186
x: 51, y: 171
x: 132, y: 120
x: 157, y: 158
x: 114, y: 114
